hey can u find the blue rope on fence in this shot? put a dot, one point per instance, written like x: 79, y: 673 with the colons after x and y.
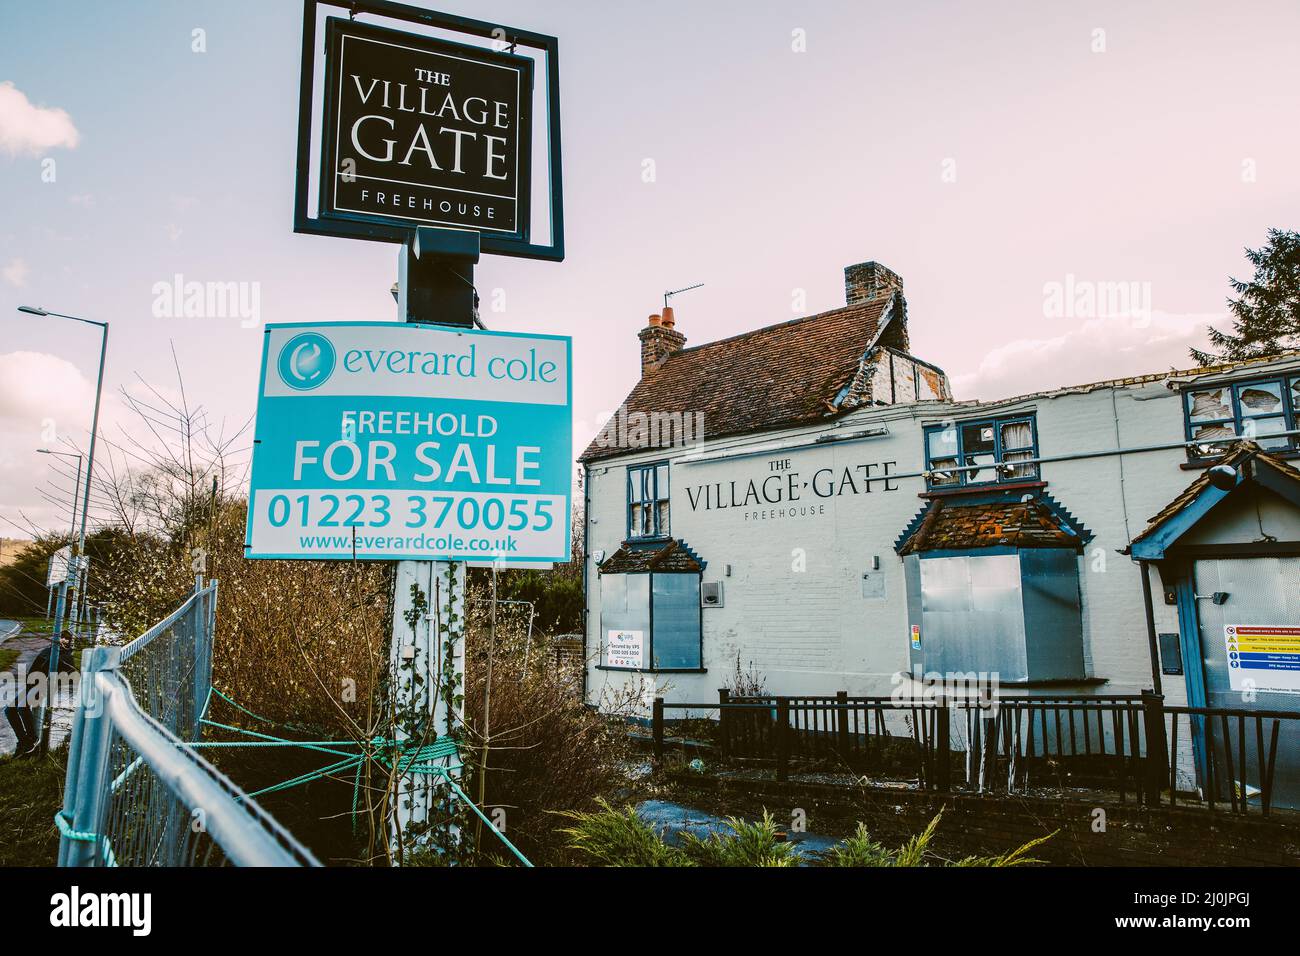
x: 439, y: 758
x: 84, y: 836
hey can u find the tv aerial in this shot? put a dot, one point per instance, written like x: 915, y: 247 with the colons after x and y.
x: 669, y: 295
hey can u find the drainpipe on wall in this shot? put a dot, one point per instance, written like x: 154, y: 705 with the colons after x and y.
x: 586, y: 550
x: 1152, y: 641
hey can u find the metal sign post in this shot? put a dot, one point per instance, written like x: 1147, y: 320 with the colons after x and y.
x: 430, y: 142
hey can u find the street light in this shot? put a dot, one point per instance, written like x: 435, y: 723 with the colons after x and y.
x: 85, y: 501
x: 94, y: 425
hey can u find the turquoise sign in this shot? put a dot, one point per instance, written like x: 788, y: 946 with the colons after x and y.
x: 394, y: 441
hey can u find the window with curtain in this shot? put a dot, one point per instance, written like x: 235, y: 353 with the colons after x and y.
x: 1256, y: 410
x: 647, y: 501
x: 983, y: 452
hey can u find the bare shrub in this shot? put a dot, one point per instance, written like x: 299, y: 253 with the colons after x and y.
x: 544, y: 750
x: 746, y: 681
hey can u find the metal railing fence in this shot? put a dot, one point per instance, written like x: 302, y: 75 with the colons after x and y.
x: 136, y: 793
x: 1129, y: 745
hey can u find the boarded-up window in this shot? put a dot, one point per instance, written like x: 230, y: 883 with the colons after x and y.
x: 653, y: 621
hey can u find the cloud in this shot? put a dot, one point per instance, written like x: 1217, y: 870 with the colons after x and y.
x: 1092, y: 351
x: 46, y: 402
x: 29, y: 129
x: 36, y: 385
x: 15, y: 273
x: 43, y: 398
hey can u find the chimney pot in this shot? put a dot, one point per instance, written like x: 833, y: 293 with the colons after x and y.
x: 654, y: 320
x: 669, y: 320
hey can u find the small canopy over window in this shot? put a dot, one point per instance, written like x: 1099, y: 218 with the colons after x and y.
x: 998, y: 520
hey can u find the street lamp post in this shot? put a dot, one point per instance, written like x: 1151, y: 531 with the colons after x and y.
x: 85, y: 506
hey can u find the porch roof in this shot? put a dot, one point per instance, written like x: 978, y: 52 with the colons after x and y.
x: 1252, y: 466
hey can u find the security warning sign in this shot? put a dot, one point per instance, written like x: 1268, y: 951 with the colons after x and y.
x: 625, y: 649
x: 1266, y: 656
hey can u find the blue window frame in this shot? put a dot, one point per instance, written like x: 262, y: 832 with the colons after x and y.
x: 981, y: 452
x: 1257, y: 409
x: 647, y: 501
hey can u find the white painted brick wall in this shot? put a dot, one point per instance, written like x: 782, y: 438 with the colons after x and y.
x: 812, y: 631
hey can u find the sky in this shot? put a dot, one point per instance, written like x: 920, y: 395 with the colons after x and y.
x: 1001, y: 157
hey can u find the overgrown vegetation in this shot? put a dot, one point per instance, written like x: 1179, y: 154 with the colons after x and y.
x: 22, y: 582
x: 31, y: 791
x: 304, y: 650
x: 746, y: 680
x: 610, y: 837
x: 618, y: 837
x: 543, y: 750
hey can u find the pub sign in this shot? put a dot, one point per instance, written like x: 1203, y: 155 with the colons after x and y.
x: 424, y: 131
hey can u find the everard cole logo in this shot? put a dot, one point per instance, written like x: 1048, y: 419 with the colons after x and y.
x: 306, y: 361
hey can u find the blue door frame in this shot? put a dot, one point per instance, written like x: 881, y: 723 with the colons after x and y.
x: 1189, y: 638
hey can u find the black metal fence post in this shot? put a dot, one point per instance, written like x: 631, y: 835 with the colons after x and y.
x: 842, y: 725
x: 658, y: 729
x: 724, y: 726
x: 782, y: 738
x: 943, y: 747
x: 1153, y: 715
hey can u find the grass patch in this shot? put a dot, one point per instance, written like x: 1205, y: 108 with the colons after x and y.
x: 7, y: 657
x: 31, y: 792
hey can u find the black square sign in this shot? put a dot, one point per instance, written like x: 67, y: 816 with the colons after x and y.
x: 422, y: 131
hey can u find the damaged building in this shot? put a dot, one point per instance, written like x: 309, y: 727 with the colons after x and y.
x: 842, y: 522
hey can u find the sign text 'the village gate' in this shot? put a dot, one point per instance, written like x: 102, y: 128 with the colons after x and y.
x: 425, y: 131
x: 786, y: 493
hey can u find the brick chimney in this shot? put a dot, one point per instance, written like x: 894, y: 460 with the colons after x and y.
x: 869, y: 281
x: 659, y: 339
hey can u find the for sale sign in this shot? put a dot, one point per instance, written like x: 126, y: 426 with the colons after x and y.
x: 422, y: 131
x: 404, y: 441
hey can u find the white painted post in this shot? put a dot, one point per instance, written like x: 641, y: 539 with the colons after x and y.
x: 421, y: 652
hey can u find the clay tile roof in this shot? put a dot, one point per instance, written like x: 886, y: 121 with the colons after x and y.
x: 674, y: 557
x: 1236, y: 455
x: 771, y: 377
x: 947, y: 526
